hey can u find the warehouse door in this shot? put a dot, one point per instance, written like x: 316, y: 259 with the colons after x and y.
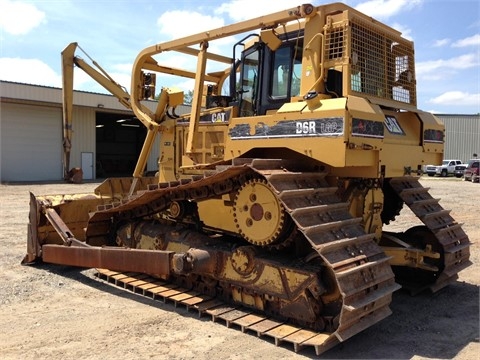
x: 31, y: 146
x: 87, y: 165
x: 119, y: 140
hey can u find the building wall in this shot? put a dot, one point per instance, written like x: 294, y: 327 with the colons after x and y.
x: 31, y: 131
x: 31, y: 142
x: 83, y: 136
x: 462, y: 134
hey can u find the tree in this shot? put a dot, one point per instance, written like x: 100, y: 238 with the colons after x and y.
x: 188, y: 97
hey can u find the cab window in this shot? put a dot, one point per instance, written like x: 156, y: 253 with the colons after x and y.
x: 249, y: 84
x: 285, y: 80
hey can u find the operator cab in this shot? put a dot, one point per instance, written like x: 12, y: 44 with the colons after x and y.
x: 267, y: 78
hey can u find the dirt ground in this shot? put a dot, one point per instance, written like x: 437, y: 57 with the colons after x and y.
x: 56, y: 312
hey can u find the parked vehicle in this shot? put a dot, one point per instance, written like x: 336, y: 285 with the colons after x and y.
x: 472, y: 171
x: 447, y: 168
x: 459, y: 170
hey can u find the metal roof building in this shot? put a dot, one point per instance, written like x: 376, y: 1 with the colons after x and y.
x: 107, y: 138
x: 462, y: 136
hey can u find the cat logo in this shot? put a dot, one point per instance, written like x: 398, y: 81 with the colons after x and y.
x: 219, y: 117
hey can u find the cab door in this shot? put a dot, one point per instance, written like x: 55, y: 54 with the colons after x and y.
x: 250, y: 81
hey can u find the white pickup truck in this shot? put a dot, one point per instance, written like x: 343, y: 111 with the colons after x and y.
x: 447, y: 168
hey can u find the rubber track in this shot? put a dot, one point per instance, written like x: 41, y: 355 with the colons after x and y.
x: 449, y: 234
x: 360, y: 267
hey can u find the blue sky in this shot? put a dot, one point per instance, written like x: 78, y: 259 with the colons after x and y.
x: 33, y: 33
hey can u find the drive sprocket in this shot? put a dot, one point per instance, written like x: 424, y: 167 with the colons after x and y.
x: 258, y: 214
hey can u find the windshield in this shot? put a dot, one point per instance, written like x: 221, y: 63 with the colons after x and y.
x: 445, y: 162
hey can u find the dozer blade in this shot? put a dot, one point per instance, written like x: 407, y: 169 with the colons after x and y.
x: 58, y: 219
x: 121, y: 259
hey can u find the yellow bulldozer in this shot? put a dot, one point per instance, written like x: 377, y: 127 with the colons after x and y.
x: 269, y: 207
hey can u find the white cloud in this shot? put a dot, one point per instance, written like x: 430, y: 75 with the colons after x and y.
x: 441, y: 42
x: 457, y: 98
x: 475, y: 24
x: 19, y: 18
x: 186, y: 85
x: 239, y: 10
x: 36, y: 72
x: 176, y: 24
x: 456, y: 63
x: 123, y: 68
x: 383, y: 9
x: 82, y: 81
x: 406, y: 32
x: 29, y: 71
x: 469, y: 41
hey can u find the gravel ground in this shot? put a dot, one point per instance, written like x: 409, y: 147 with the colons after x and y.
x: 57, y: 312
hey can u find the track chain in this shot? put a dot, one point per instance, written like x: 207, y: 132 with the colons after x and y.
x: 449, y: 234
x: 247, y: 320
x: 363, y: 275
